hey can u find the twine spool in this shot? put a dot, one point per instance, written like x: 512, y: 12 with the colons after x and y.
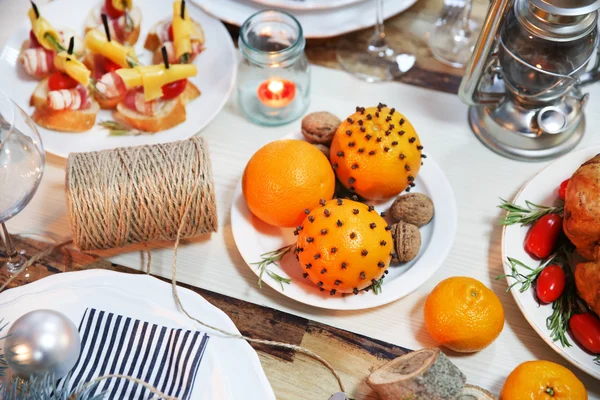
x: 140, y: 194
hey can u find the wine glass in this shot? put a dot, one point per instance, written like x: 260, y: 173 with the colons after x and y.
x: 21, y: 168
x: 378, y: 61
x: 455, y: 34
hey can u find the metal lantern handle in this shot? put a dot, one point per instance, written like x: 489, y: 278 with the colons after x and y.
x: 484, y: 58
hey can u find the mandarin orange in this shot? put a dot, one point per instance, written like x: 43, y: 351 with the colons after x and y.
x: 284, y: 178
x: 376, y: 152
x: 462, y: 314
x: 344, y: 246
x: 542, y: 380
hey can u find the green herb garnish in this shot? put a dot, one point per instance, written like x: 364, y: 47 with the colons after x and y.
x: 525, y: 215
x: 269, y: 258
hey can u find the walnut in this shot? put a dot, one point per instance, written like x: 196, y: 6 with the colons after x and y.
x: 319, y: 127
x: 414, y: 208
x: 407, y: 241
x: 324, y: 149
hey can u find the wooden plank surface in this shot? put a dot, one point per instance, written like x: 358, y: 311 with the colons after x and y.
x: 293, y: 376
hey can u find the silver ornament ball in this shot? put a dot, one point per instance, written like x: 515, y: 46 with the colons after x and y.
x: 42, y: 342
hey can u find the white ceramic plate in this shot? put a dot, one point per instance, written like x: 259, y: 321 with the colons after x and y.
x: 230, y: 368
x: 254, y: 237
x: 542, y: 189
x: 307, y: 4
x: 315, y: 24
x: 217, y: 68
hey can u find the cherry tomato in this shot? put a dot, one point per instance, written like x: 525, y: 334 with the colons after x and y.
x: 586, y: 330
x: 110, y: 65
x: 33, y: 42
x: 60, y: 80
x: 541, y: 238
x: 562, y: 190
x: 173, y: 89
x: 171, y: 32
x: 111, y: 10
x: 550, y: 283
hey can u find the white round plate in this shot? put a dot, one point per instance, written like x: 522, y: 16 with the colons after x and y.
x: 542, y: 189
x: 254, y: 237
x: 315, y: 24
x: 217, y: 67
x: 230, y: 368
x: 307, y: 4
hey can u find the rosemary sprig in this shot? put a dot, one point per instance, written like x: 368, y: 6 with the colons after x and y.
x: 118, y: 129
x: 269, y: 258
x: 525, y: 215
x: 376, y: 286
x: 597, y: 360
x: 55, y: 42
x: 185, y: 58
x: 524, y: 279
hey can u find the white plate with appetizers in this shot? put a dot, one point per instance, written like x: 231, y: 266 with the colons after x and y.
x: 315, y: 23
x: 217, y: 67
x: 307, y: 4
x: 254, y: 237
x: 230, y: 368
x: 542, y: 189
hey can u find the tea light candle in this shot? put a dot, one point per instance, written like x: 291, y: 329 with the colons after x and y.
x: 276, y: 92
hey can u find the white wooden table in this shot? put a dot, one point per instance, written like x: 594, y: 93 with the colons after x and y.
x: 478, y: 177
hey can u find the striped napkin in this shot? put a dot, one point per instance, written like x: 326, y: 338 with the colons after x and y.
x: 166, y: 358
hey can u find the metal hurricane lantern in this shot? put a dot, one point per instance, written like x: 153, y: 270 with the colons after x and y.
x: 524, y: 79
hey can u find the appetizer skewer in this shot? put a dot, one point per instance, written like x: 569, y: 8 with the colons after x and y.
x: 182, y: 37
x: 37, y: 53
x: 124, y: 20
x: 106, y: 56
x: 62, y: 101
x: 155, y: 96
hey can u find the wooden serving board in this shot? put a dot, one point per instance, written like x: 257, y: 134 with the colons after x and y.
x: 292, y: 375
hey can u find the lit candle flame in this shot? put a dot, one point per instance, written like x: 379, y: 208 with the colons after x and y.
x: 538, y: 66
x: 275, y: 87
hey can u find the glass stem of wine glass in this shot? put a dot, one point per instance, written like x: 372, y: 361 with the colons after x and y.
x: 10, y: 249
x: 378, y: 42
x: 466, y: 17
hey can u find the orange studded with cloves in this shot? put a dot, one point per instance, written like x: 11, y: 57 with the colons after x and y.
x: 344, y: 246
x: 376, y: 153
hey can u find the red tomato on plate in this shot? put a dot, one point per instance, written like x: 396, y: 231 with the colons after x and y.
x: 542, y: 236
x: 562, y: 189
x: 173, y: 89
x: 110, y: 65
x: 586, y: 330
x: 550, y: 283
x: 111, y: 10
x: 59, y: 80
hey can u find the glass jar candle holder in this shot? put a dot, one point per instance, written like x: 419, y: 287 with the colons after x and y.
x: 274, y: 74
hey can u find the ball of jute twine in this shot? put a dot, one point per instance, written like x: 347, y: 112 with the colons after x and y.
x: 139, y: 194
x: 106, y: 179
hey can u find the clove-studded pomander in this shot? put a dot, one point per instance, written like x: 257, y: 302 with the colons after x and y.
x: 376, y: 152
x: 346, y: 245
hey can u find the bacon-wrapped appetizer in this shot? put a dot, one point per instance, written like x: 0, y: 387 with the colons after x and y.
x: 104, y: 57
x: 62, y: 102
x: 37, y: 52
x: 124, y: 20
x: 182, y: 37
x: 155, y: 96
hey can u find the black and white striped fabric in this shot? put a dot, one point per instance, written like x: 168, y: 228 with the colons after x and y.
x: 166, y: 358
